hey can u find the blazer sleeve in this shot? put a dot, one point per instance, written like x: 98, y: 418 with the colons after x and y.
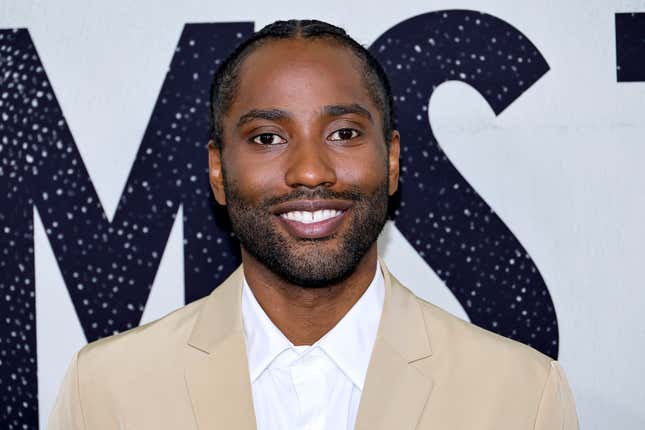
x: 67, y: 413
x: 557, y: 410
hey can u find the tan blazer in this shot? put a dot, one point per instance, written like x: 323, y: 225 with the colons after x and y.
x: 429, y: 370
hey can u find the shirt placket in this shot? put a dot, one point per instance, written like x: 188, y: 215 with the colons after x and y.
x: 310, y: 376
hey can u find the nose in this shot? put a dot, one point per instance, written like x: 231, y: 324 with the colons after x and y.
x: 310, y: 165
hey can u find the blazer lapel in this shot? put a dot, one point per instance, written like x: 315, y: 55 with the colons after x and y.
x: 395, y: 391
x: 217, y: 375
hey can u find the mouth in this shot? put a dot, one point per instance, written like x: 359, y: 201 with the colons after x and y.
x: 312, y: 219
x: 307, y: 217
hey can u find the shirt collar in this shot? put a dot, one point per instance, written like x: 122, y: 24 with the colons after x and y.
x: 349, y: 343
x: 264, y: 341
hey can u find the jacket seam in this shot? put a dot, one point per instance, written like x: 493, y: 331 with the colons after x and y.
x: 539, y: 405
x: 78, y: 389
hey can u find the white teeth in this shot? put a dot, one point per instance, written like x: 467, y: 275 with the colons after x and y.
x: 307, y: 217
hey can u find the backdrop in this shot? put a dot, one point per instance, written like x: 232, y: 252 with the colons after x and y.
x: 521, y: 201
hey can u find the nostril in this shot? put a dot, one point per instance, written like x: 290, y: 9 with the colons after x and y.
x: 310, y: 171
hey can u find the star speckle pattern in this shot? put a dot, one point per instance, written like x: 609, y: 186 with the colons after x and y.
x: 440, y: 213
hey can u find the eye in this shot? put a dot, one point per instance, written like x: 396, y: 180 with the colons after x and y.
x: 344, y: 134
x: 268, y: 139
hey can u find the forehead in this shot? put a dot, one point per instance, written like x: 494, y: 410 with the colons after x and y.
x: 300, y: 73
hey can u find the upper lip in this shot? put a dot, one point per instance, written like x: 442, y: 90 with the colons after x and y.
x: 311, y: 206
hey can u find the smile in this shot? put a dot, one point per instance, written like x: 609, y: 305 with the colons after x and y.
x: 310, y: 217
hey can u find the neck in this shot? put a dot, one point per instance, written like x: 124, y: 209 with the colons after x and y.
x: 304, y: 315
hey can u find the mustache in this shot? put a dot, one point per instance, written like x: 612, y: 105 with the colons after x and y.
x: 319, y: 193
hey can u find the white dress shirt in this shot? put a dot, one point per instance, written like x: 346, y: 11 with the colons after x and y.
x: 311, y: 387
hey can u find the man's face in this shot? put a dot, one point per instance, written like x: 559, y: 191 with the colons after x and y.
x: 304, y: 169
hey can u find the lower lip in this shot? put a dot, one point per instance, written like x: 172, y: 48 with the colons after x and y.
x: 314, y: 230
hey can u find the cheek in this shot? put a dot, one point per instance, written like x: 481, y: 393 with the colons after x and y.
x: 367, y: 170
x: 254, y: 177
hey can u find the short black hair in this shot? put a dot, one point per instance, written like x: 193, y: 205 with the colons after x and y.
x: 226, y: 79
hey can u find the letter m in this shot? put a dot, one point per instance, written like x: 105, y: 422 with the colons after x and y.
x: 108, y: 266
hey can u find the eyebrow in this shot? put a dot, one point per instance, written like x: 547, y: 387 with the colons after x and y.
x: 355, y: 108
x: 267, y: 114
x: 329, y: 110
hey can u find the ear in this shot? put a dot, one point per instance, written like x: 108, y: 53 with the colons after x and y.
x: 393, y: 173
x: 215, y: 173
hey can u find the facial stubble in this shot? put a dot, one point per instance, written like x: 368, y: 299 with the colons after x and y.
x: 308, y: 263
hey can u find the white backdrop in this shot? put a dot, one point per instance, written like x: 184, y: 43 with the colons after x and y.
x: 562, y: 166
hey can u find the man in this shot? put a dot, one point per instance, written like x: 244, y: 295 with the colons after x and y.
x: 312, y: 332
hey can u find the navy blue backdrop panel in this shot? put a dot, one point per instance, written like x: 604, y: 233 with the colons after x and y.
x: 630, y: 47
x: 108, y: 267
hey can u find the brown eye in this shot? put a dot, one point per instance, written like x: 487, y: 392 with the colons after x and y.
x: 268, y: 139
x: 344, y: 134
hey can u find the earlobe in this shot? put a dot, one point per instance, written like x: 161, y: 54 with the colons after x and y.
x: 393, y: 173
x: 215, y: 173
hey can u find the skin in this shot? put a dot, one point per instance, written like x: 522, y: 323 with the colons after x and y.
x: 302, y: 79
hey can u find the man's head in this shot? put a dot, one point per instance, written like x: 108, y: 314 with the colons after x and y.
x: 303, y: 150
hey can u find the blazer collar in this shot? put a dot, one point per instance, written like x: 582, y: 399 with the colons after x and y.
x: 217, y: 372
x: 221, y: 315
x: 395, y: 391
x: 402, y: 324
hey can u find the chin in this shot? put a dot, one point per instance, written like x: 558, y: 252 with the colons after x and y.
x: 315, y: 268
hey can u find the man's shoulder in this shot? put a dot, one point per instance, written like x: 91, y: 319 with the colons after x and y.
x: 467, y: 346
x: 494, y: 378
x: 160, y: 338
x: 161, y: 346
x: 138, y: 373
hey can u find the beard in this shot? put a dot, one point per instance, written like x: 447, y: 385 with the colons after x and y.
x: 309, y: 263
